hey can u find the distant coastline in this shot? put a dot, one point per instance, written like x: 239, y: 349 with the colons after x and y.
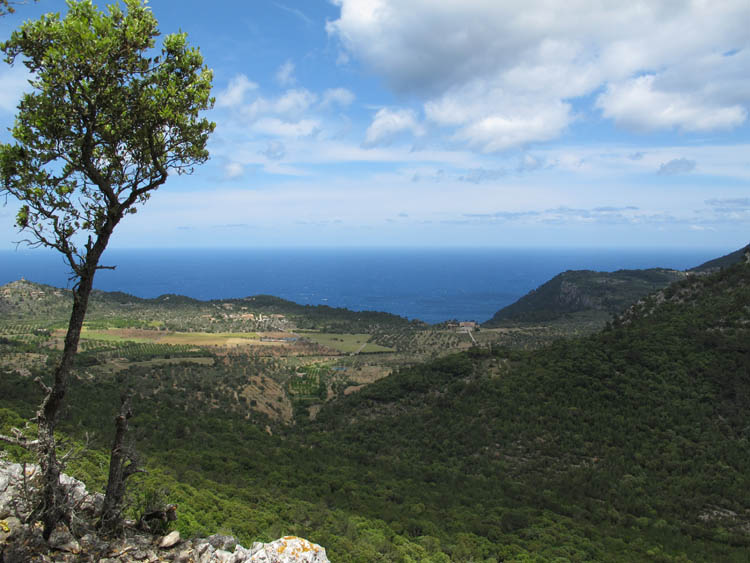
x: 433, y: 285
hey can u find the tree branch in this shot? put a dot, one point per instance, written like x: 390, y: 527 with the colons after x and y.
x: 45, y: 388
x: 20, y: 441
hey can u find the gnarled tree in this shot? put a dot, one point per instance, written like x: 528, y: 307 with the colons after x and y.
x: 108, y: 120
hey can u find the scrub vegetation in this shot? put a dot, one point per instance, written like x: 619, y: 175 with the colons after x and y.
x: 629, y: 444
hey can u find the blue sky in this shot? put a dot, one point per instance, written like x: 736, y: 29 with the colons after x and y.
x: 455, y: 123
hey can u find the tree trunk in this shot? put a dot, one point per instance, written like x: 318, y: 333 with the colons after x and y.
x: 122, y: 464
x: 52, y: 508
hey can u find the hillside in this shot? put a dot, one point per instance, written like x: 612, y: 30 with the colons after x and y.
x: 28, y: 301
x: 588, y: 297
x: 576, y: 291
x: 723, y: 261
x: 629, y: 445
x: 640, y: 428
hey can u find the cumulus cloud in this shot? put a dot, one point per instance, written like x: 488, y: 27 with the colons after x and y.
x: 389, y: 123
x: 291, y: 104
x: 676, y: 166
x: 234, y: 94
x: 639, y: 104
x: 485, y: 69
x: 519, y: 126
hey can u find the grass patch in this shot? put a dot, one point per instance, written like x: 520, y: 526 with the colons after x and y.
x: 346, y: 343
x: 139, y: 336
x: 112, y: 336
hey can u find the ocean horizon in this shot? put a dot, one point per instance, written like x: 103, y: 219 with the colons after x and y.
x: 430, y: 284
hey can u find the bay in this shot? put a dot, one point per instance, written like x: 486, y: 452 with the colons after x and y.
x: 432, y: 285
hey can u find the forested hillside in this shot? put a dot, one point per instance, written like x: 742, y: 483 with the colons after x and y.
x: 583, y: 296
x: 722, y: 261
x: 629, y: 445
x: 577, y: 291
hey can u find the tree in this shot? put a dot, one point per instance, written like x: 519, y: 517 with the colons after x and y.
x: 108, y: 120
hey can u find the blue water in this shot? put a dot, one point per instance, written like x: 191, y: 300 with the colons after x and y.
x: 433, y: 285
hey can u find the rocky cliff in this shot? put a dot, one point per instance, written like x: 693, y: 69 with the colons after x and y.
x: 22, y: 542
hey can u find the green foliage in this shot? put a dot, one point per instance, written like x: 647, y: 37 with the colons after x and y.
x: 628, y: 445
x: 104, y: 124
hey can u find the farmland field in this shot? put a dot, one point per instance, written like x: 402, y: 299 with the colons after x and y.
x: 346, y: 343
x: 226, y: 339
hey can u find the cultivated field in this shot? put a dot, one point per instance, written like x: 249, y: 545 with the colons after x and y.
x: 346, y: 343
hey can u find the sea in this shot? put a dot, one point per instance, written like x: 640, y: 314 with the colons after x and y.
x: 429, y: 284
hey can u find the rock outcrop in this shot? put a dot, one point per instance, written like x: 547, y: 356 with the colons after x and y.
x: 21, y: 542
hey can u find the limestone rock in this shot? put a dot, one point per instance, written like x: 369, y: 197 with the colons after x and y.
x: 220, y: 541
x: 289, y: 549
x: 222, y: 556
x: 9, y: 526
x: 170, y: 540
x: 62, y: 540
x: 13, y: 502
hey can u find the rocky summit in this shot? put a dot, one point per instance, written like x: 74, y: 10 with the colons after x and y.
x: 22, y: 541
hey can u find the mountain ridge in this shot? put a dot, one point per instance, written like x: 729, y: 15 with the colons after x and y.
x: 579, y: 291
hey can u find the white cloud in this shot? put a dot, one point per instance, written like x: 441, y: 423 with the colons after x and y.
x: 638, y: 104
x: 276, y: 127
x: 337, y: 96
x: 234, y: 94
x: 294, y: 102
x: 388, y: 123
x: 291, y: 104
x: 481, y: 66
x: 285, y: 74
x: 501, y: 131
x: 233, y: 170
x: 15, y: 81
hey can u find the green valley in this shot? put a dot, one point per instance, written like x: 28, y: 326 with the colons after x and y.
x: 630, y: 444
